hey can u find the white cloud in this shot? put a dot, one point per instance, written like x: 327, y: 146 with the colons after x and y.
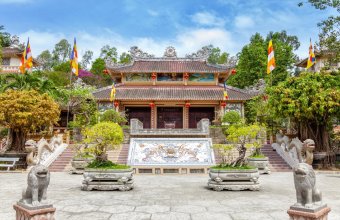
x: 186, y: 42
x: 152, y: 12
x: 243, y: 21
x: 208, y: 19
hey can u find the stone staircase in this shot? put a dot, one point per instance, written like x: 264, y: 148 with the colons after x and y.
x: 276, y: 163
x: 63, y: 161
x: 120, y: 155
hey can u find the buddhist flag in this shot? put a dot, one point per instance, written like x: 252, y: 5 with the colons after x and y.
x: 23, y: 61
x: 28, y: 56
x: 311, y: 59
x: 74, y: 59
x: 113, y: 92
x: 225, y: 93
x: 271, y: 58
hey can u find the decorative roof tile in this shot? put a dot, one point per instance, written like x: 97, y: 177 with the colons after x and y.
x: 168, y: 93
x: 169, y: 66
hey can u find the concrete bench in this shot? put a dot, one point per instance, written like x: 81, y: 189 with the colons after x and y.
x: 8, y: 162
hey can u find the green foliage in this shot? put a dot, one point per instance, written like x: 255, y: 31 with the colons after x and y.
x: 86, y: 59
x: 125, y: 58
x: 243, y: 134
x: 3, y: 132
x: 252, y: 63
x: 231, y: 117
x: 113, y: 116
x: 96, y: 164
x: 216, y: 57
x: 45, y: 60
x: 63, y: 67
x: 62, y: 51
x: 109, y: 53
x: 5, y: 37
x: 98, y: 66
x: 102, y: 137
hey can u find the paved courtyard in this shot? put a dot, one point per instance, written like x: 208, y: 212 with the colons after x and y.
x: 169, y: 197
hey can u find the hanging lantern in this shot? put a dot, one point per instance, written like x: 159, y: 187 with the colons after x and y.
x: 152, y: 104
x: 116, y: 104
x: 223, y: 104
x: 106, y: 71
x: 233, y: 71
x: 186, y: 76
x: 153, y: 76
x: 187, y: 104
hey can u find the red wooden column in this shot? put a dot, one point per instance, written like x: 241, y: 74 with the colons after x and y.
x: 186, y: 115
x: 153, y: 115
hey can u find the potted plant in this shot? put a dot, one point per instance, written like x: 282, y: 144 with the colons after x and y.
x: 81, y: 159
x: 257, y: 159
x: 102, y: 174
x: 236, y: 174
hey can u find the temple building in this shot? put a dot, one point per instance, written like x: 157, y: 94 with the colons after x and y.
x: 171, y: 92
x: 322, y: 60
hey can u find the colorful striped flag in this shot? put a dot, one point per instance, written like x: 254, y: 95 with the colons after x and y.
x: 271, y: 58
x: 29, y: 57
x: 225, y: 93
x: 26, y: 59
x: 311, y: 59
x: 74, y: 59
x: 113, y: 92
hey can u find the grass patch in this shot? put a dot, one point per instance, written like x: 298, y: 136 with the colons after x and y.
x: 258, y: 156
x: 106, y: 165
x: 229, y: 167
x: 84, y: 156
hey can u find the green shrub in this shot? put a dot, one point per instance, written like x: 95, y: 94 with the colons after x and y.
x: 96, y: 164
x: 232, y: 117
x: 113, y: 116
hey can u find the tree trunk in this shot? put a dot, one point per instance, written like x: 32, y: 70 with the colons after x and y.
x: 241, y: 155
x: 16, y: 140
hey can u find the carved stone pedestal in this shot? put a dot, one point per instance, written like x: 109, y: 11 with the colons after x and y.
x: 34, y: 214
x: 307, y: 214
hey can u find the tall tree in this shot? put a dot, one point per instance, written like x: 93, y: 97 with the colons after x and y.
x: 86, y: 59
x: 5, y: 37
x: 61, y: 51
x: 311, y: 101
x: 109, y: 53
x: 216, y: 57
x: 98, y: 66
x: 45, y: 60
x: 252, y: 63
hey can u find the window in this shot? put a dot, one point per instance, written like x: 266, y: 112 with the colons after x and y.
x: 6, y: 61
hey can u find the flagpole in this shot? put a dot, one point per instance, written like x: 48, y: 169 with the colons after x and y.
x: 69, y: 99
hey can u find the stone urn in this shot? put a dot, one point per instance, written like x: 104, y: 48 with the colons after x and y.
x: 260, y: 163
x: 108, y: 179
x: 79, y: 164
x: 234, y: 179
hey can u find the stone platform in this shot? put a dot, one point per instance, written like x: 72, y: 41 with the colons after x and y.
x: 23, y: 213
x: 309, y: 214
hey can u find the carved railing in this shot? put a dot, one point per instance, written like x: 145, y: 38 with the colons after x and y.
x: 136, y: 129
x: 289, y: 156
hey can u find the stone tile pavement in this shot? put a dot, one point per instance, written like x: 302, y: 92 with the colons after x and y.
x: 169, y: 197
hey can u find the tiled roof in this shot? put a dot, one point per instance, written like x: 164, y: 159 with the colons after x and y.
x: 169, y: 66
x: 124, y: 92
x: 9, y: 51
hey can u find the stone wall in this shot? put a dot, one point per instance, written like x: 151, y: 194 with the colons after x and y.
x: 217, y: 135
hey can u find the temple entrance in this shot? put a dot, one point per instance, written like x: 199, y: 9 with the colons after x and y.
x: 169, y: 117
x: 197, y: 113
x: 143, y: 114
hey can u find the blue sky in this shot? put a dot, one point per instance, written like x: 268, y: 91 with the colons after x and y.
x: 153, y: 25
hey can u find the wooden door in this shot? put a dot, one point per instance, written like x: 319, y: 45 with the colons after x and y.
x: 197, y: 113
x: 143, y: 114
x: 170, y: 115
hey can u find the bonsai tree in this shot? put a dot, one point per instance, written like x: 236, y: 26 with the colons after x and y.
x: 231, y: 117
x: 113, y: 116
x: 23, y: 112
x: 102, y: 137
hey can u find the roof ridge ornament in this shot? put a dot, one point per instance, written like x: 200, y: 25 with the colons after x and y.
x: 201, y: 54
x: 137, y: 53
x: 170, y: 52
x: 15, y: 43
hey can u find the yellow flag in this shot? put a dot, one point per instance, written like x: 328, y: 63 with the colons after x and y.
x: 271, y: 58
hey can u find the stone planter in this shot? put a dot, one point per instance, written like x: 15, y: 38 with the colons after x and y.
x: 260, y: 163
x: 79, y: 164
x: 234, y: 180
x: 112, y: 179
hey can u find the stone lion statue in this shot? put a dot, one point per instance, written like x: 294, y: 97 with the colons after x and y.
x: 37, y: 183
x: 307, y: 194
x: 304, y: 150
